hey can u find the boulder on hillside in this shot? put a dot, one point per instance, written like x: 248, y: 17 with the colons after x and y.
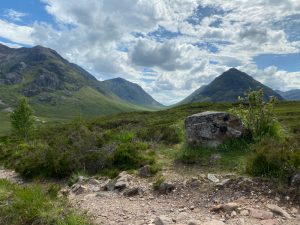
x: 212, y: 128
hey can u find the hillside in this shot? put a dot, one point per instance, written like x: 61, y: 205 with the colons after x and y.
x: 228, y: 87
x: 290, y: 95
x: 57, y: 88
x: 131, y: 92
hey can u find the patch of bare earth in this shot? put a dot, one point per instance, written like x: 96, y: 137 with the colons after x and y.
x: 228, y: 199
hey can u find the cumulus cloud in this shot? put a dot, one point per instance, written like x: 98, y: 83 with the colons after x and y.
x: 115, y: 38
x: 167, y: 56
x: 16, y: 33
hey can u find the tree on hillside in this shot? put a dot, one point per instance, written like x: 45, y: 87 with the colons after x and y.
x: 22, y: 119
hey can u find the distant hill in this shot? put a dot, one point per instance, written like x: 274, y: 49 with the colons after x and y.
x: 58, y: 89
x: 290, y: 95
x: 131, y: 92
x: 228, y: 87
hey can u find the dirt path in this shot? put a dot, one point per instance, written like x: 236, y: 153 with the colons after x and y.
x: 10, y: 175
x: 192, y: 199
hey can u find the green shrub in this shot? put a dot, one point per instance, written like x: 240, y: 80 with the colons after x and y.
x: 131, y: 156
x: 22, y: 119
x: 166, y: 134
x: 273, y: 158
x: 34, y: 204
x: 158, y: 181
x: 258, y: 115
x: 230, y: 155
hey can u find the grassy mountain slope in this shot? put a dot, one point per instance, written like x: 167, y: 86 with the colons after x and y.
x: 131, y: 92
x: 228, y: 87
x: 55, y: 88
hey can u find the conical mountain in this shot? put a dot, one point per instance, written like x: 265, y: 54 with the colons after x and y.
x: 228, y: 87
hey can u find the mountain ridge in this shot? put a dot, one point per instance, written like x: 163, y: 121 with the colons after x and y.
x: 292, y: 95
x: 131, y: 92
x: 54, y: 86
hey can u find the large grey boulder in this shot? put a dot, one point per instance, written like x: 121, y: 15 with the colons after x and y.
x: 212, y: 128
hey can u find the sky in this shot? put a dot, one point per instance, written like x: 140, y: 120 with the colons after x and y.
x: 169, y: 47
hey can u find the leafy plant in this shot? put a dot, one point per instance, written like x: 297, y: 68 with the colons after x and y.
x: 35, y: 204
x: 274, y: 158
x: 258, y: 115
x: 22, y: 119
x: 158, y: 181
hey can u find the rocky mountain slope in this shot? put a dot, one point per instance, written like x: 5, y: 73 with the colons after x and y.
x: 131, y: 92
x: 228, y: 87
x: 290, y: 95
x: 57, y: 88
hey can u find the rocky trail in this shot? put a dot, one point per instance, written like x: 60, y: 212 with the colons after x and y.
x: 208, y: 199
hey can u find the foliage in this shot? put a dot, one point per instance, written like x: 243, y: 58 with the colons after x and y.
x: 274, y: 158
x: 158, y: 181
x: 22, y: 119
x: 258, y: 115
x: 229, y: 156
x: 155, y: 138
x: 35, y: 204
x: 165, y: 134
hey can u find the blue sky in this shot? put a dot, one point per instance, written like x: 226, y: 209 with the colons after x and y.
x: 169, y: 49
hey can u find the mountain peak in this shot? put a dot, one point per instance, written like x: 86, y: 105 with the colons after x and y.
x: 234, y: 71
x: 228, y: 87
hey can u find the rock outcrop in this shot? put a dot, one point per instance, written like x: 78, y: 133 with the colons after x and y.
x: 213, y: 128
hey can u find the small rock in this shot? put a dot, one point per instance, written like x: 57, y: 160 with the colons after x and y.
x: 193, y: 182
x: 194, y: 222
x: 94, y: 182
x: 121, y: 185
x: 78, y: 189
x: 145, y: 171
x: 244, y: 212
x: 269, y: 222
x: 109, y: 185
x: 132, y: 192
x: 65, y: 191
x: 192, y: 207
x: 228, y: 207
x: 294, y: 210
x: 279, y: 211
x: 81, y: 179
x: 223, y: 182
x: 213, y: 178
x: 166, y: 188
x: 295, y: 180
x: 260, y: 214
x: 162, y: 220
x: 233, y: 214
x: 214, y: 222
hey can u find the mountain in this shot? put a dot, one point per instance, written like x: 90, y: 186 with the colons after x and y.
x: 57, y: 88
x: 228, y: 87
x: 293, y: 95
x: 131, y: 92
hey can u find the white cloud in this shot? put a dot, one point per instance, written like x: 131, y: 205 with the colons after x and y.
x: 91, y: 35
x: 16, y: 33
x: 14, y: 15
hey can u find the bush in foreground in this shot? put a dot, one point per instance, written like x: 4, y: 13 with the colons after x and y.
x: 35, y: 204
x: 258, y: 115
x: 273, y: 158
